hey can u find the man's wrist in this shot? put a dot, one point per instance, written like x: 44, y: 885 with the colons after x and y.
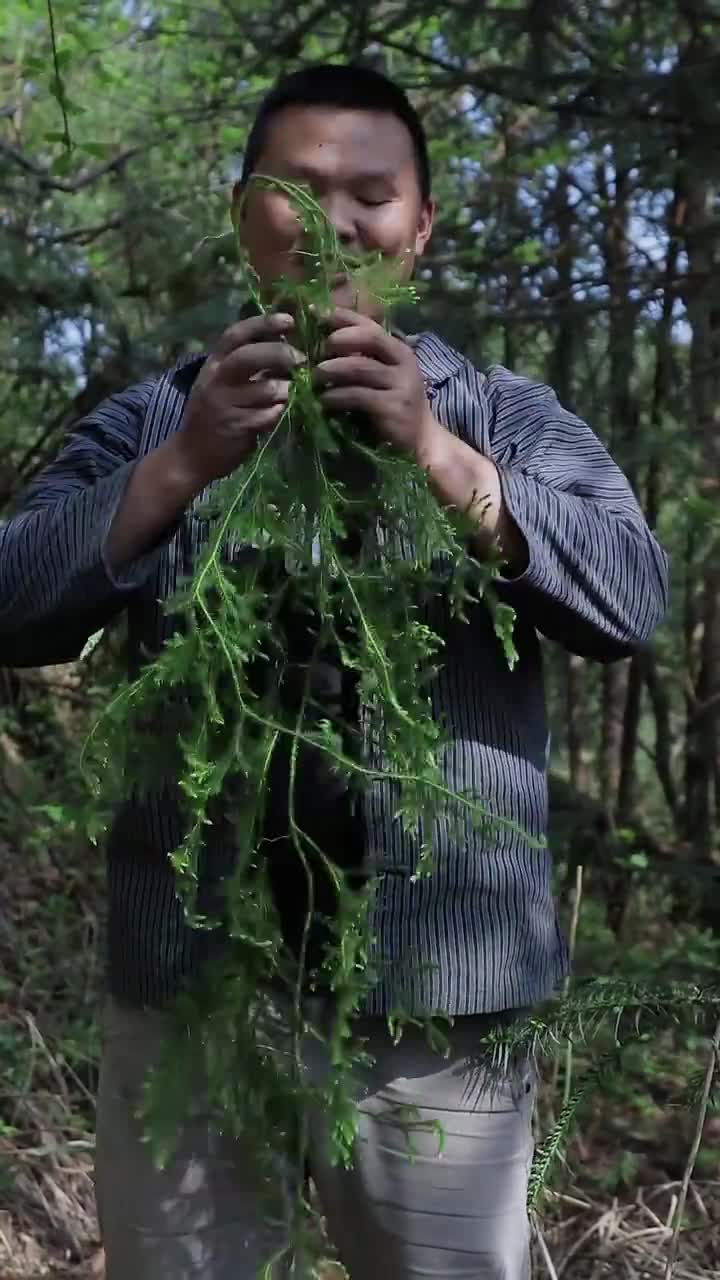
x: 468, y: 481
x: 434, y: 443
x: 183, y: 476
x: 161, y: 487
x: 459, y: 476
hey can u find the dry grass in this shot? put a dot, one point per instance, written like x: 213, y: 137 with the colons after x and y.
x: 50, y: 896
x: 49, y: 1226
x: 46, y: 1161
x: 47, y: 1212
x: 589, y: 1240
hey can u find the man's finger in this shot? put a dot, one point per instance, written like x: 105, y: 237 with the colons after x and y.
x: 355, y: 370
x: 335, y: 317
x: 255, y: 329
x: 367, y: 340
x: 266, y: 419
x: 258, y: 395
x: 361, y: 399
x: 260, y: 357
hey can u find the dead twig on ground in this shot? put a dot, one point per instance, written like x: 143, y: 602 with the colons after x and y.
x: 693, y: 1154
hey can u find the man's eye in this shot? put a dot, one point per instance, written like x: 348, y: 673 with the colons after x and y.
x: 372, y: 204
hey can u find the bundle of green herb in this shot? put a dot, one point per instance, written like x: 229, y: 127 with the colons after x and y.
x: 324, y: 526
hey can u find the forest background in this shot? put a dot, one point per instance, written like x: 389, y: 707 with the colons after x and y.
x: 576, y: 154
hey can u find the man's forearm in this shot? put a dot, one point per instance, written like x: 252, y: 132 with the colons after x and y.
x: 162, y: 486
x: 466, y: 480
x: 160, y: 489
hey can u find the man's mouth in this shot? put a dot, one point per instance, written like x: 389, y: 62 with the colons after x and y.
x: 344, y: 287
x: 341, y: 286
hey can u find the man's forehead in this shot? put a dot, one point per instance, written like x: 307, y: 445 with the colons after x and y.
x: 308, y: 138
x: 311, y: 164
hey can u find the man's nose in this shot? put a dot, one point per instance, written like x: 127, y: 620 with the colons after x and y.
x: 338, y: 212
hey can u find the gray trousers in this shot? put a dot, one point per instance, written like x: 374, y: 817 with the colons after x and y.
x: 454, y: 1209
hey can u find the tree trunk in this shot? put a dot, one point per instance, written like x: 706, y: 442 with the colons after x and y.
x: 643, y: 668
x: 560, y: 366
x: 576, y: 718
x: 618, y: 747
x: 702, y: 242
x: 660, y: 703
x: 628, y: 744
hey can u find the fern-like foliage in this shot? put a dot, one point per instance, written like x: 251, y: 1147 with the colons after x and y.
x: 603, y: 1017
x: 327, y: 525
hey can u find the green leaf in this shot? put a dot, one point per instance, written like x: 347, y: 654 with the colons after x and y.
x: 65, y: 56
x: 232, y: 136
x: 99, y: 149
x: 71, y: 107
x: 529, y: 253
x: 54, y: 812
x: 638, y: 861
x: 91, y: 644
x: 504, y: 622
x: 63, y: 165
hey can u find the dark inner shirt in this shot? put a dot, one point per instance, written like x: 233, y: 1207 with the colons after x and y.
x: 322, y: 801
x: 324, y: 805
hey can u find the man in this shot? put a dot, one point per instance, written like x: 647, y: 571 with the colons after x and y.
x: 109, y: 525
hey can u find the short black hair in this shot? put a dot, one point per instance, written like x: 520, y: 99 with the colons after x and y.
x: 331, y: 84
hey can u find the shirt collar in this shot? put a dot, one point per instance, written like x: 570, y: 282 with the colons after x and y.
x: 185, y: 371
x: 436, y: 359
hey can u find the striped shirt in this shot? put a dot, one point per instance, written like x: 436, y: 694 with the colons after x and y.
x: 481, y: 932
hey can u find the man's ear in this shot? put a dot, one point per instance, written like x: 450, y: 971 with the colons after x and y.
x: 425, y: 226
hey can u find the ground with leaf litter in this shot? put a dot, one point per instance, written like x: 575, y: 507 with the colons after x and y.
x: 614, y: 1201
x: 48, y: 1225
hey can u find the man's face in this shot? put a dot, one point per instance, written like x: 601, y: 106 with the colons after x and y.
x: 362, y: 170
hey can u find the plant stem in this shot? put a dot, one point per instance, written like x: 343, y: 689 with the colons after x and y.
x: 572, y: 936
x: 712, y: 1066
x: 577, y: 899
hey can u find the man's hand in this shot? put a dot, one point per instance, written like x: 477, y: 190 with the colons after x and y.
x: 240, y: 393
x: 368, y: 370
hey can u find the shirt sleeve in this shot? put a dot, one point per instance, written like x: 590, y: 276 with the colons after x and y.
x: 596, y: 580
x: 56, y: 587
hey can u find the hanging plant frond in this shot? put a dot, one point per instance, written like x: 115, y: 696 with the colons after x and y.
x: 343, y: 534
x: 325, y: 546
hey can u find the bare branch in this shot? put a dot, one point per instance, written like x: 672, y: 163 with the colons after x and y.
x: 72, y: 185
x: 595, y: 97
